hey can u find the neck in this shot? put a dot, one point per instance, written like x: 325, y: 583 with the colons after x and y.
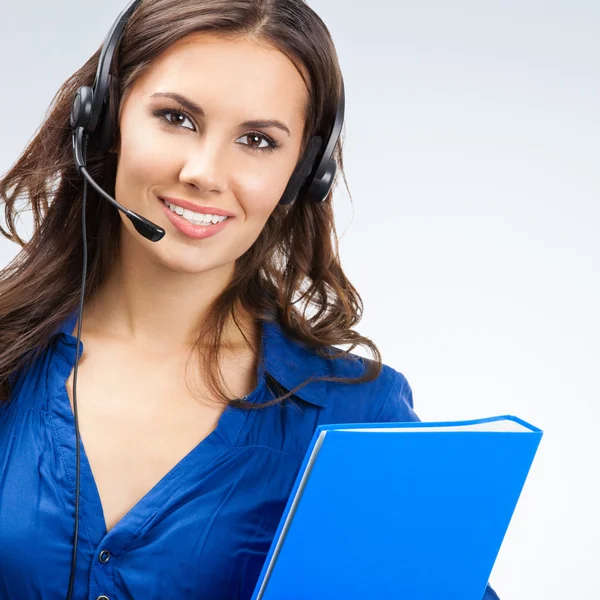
x: 145, y: 303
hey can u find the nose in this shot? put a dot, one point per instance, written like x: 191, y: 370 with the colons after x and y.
x: 204, y: 168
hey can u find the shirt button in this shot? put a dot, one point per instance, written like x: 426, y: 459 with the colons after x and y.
x: 103, y: 558
x: 102, y: 598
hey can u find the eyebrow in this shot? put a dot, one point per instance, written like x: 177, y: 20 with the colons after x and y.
x: 197, y: 111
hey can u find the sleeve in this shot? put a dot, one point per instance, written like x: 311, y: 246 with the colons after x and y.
x: 490, y: 594
x: 398, y: 406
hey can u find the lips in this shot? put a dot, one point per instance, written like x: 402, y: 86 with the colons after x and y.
x: 198, y: 208
x: 190, y: 230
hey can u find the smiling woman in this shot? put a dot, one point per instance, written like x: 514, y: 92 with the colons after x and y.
x: 211, y: 353
x: 212, y: 104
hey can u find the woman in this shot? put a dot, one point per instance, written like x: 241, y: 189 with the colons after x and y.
x: 207, y: 359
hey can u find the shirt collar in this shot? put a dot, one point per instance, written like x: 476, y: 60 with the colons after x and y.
x: 287, y: 361
x: 291, y: 363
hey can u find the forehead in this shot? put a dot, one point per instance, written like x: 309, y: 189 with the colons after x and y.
x: 234, y: 70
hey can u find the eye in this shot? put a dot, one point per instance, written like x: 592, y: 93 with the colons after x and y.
x: 162, y: 114
x: 271, y: 144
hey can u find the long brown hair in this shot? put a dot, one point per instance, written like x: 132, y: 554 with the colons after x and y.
x: 292, y: 273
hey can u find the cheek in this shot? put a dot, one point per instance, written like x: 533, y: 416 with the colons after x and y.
x: 143, y: 159
x: 259, y: 192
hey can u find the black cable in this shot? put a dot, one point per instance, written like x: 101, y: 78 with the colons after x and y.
x: 77, y: 435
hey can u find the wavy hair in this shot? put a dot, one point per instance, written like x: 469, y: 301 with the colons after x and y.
x: 292, y: 273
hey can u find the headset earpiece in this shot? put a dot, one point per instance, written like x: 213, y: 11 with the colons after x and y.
x: 302, y: 170
x: 317, y: 186
x: 81, y: 109
x: 320, y: 186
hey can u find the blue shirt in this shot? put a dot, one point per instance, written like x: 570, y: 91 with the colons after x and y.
x: 204, y: 530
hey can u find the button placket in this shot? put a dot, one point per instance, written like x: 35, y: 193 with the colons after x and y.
x: 101, y: 575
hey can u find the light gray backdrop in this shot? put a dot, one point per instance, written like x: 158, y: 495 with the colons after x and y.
x: 472, y: 154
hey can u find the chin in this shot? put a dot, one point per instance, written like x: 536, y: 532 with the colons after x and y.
x: 193, y: 263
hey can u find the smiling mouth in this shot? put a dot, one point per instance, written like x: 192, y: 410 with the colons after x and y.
x: 195, y: 218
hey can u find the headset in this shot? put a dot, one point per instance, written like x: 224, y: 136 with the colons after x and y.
x: 90, y: 118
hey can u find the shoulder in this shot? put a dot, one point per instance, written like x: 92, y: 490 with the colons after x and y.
x: 387, y: 398
x: 324, y: 380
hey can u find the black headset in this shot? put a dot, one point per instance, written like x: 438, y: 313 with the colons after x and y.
x: 90, y: 118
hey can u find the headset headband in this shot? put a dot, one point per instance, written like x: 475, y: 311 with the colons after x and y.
x: 91, y: 108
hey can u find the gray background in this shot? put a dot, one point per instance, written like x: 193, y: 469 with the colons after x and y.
x: 472, y: 155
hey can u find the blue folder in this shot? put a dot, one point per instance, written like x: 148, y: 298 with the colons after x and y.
x: 413, y: 511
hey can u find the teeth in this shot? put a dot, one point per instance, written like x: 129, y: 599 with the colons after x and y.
x: 194, y: 217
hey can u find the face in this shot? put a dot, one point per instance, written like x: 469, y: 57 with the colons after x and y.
x: 209, y: 160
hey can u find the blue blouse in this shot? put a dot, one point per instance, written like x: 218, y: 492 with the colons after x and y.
x: 204, y: 530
